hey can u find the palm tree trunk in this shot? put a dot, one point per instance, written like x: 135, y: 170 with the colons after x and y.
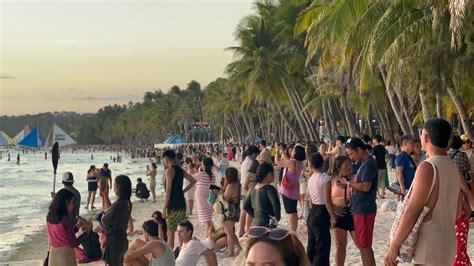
x: 405, y: 108
x: 460, y: 107
x: 282, y: 114
x: 314, y: 136
x: 424, y: 103
x: 347, y: 112
x: 393, y: 103
x: 439, y: 106
x: 331, y: 117
x: 296, y: 112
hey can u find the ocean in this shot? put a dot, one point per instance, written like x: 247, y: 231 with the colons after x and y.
x: 25, y: 188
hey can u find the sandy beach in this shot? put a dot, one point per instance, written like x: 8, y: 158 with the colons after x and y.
x: 32, y: 251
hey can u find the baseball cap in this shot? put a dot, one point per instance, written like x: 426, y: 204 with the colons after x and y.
x: 464, y: 137
x: 68, y: 177
x: 354, y: 143
x: 265, y: 156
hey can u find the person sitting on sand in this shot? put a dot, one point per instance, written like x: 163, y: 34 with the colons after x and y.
x: 191, y: 249
x: 141, y: 191
x: 61, y: 229
x: 153, y: 251
x: 274, y: 247
x: 91, y: 249
x: 162, y: 226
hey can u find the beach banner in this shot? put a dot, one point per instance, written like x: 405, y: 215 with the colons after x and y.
x: 61, y: 137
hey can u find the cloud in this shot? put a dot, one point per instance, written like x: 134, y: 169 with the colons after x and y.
x: 5, y: 76
x: 106, y: 98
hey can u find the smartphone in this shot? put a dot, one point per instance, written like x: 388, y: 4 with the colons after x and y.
x: 211, y: 187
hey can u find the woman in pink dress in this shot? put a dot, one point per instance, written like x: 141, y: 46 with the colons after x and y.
x: 230, y: 155
x: 204, y: 179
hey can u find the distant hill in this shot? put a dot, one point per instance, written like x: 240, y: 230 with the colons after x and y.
x: 68, y: 121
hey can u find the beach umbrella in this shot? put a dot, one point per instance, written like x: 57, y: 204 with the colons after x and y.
x: 55, y: 159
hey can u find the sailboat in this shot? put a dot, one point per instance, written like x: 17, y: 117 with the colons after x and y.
x: 59, y: 136
x: 21, y: 135
x: 32, y: 140
x: 5, y: 139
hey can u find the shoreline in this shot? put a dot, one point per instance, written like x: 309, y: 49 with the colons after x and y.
x: 35, y: 246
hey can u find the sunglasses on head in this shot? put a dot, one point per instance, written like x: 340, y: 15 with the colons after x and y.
x: 273, y: 233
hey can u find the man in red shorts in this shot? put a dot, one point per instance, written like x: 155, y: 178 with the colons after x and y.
x: 364, y: 187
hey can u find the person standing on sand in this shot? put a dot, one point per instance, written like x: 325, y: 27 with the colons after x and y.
x: 92, y: 186
x: 68, y: 182
x: 248, y: 170
x: 105, y: 183
x: 405, y: 166
x: 290, y: 187
x: 152, y: 174
x: 189, y: 195
x: 204, y: 179
x: 18, y: 159
x: 115, y: 222
x: 364, y: 207
x: 435, y: 187
x: 174, y: 205
x: 319, y: 220
x: 378, y: 152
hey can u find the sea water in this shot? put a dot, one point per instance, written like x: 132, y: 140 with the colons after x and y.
x: 25, y: 189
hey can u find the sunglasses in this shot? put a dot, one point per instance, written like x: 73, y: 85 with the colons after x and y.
x: 274, y: 234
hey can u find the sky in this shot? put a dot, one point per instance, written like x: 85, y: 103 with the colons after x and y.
x: 82, y: 55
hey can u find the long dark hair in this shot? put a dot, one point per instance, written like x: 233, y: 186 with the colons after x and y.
x: 151, y: 227
x: 162, y: 225
x: 208, y: 163
x: 124, y: 187
x: 58, y: 207
x: 263, y: 170
x: 231, y: 175
x: 340, y: 160
x: 90, y: 168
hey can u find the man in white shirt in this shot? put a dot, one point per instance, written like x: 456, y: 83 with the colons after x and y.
x: 248, y: 171
x: 191, y: 248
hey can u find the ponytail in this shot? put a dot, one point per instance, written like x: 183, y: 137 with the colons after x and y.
x: 208, y: 164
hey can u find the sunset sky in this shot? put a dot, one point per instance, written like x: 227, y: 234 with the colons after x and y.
x: 82, y: 55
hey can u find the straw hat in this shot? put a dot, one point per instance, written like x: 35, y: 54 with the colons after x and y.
x: 265, y: 156
x: 464, y: 137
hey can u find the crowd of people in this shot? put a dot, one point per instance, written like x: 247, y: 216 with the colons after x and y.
x: 336, y: 185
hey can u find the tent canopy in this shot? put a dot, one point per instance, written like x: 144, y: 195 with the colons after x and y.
x: 174, y: 139
x: 249, y: 140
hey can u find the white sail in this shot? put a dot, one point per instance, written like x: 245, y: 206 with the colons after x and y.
x: 21, y: 135
x: 61, y: 137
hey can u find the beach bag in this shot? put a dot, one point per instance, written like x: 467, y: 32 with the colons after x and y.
x: 221, y: 207
x: 407, y: 249
x: 285, y: 182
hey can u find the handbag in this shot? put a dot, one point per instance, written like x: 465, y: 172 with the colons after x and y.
x: 407, y: 249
